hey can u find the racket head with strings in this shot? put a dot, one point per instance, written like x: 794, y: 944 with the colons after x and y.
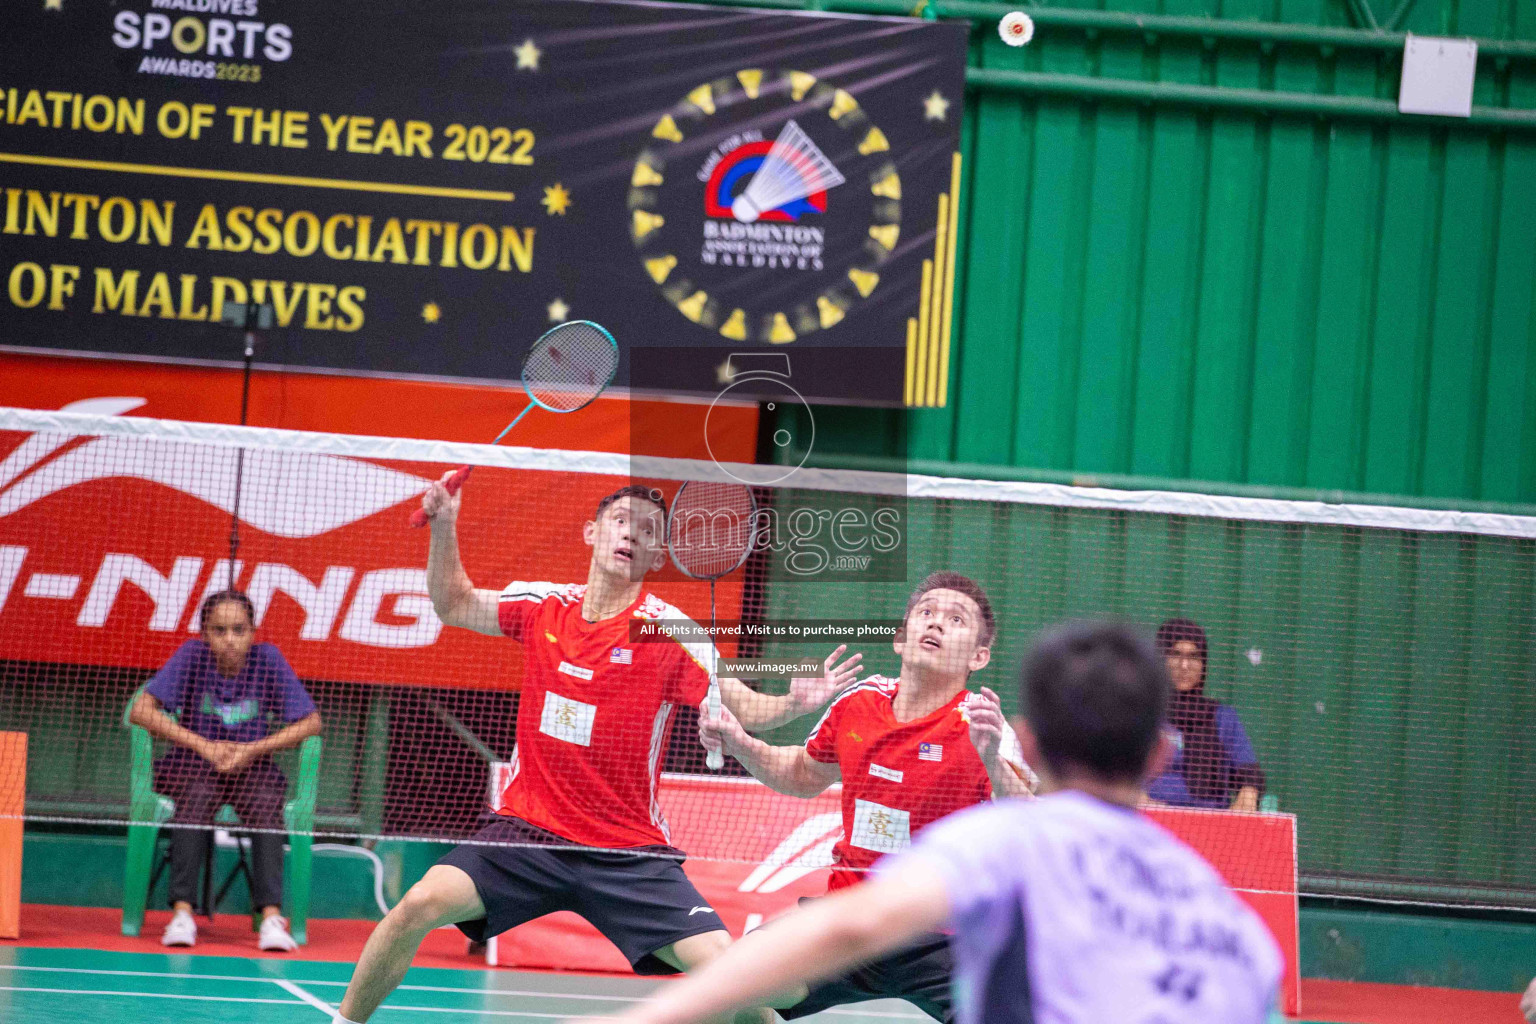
x: 711, y: 531
x: 570, y: 365
x: 566, y: 369
x: 711, y: 528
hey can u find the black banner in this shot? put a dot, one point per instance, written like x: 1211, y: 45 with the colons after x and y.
x: 424, y: 188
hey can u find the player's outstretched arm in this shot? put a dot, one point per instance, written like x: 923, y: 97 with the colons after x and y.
x: 788, y: 770
x: 456, y: 600
x: 759, y: 711
x: 817, y: 941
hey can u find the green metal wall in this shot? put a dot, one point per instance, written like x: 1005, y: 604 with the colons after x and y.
x: 1192, y: 286
x: 1202, y: 250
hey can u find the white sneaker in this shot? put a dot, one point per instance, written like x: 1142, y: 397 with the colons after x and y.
x: 274, y: 936
x: 182, y: 931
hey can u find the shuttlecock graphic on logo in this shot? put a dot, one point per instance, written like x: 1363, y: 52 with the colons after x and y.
x: 793, y: 169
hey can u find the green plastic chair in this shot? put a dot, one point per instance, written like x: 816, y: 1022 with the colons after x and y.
x: 1269, y: 803
x: 148, y: 810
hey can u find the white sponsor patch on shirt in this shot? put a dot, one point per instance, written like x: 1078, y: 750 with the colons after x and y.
x: 880, y: 771
x: 575, y: 670
x: 880, y: 828
x: 566, y: 719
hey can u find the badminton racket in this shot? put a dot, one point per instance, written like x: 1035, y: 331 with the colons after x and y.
x: 710, y: 532
x: 565, y: 370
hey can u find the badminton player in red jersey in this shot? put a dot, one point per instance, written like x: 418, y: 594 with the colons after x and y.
x: 580, y: 827
x: 909, y: 751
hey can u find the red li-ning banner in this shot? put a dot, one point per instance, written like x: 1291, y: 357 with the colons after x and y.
x: 109, y: 544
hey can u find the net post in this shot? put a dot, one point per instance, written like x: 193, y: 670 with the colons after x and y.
x: 13, y: 789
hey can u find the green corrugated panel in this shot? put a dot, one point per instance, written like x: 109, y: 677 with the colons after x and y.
x: 1233, y: 296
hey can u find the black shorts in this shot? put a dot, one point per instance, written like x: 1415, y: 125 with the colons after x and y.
x: 639, y: 899
x: 919, y: 974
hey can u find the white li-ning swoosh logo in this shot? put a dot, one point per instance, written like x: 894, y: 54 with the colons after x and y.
x: 806, y: 849
x: 286, y: 494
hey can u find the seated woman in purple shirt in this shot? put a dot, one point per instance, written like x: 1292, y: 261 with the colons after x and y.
x: 225, y: 688
x: 1213, y: 763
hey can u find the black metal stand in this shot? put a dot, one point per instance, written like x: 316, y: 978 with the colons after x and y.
x: 248, y: 317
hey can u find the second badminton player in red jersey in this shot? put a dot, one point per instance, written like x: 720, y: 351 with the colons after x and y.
x: 908, y: 751
x: 580, y: 827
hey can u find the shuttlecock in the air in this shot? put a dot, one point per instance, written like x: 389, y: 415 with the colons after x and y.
x: 793, y: 169
x: 1016, y: 28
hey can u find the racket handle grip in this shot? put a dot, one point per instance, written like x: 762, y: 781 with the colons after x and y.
x: 714, y: 759
x: 419, y: 518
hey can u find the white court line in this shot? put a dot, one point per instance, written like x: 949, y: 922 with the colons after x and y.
x: 303, y: 981
x: 292, y: 989
x: 146, y: 995
x: 291, y: 985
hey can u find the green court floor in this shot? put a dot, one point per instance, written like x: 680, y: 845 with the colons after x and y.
x: 52, y: 986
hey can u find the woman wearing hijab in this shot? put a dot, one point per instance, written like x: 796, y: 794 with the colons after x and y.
x: 1214, y: 764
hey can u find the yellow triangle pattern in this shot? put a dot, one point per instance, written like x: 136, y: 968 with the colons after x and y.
x: 863, y: 280
x: 781, y: 333
x: 644, y: 175
x: 831, y: 313
x: 751, y: 80
x: 666, y: 128
x: 693, y: 306
x: 842, y: 103
x: 735, y: 327
x: 800, y: 83
x: 660, y: 267
x: 888, y: 187
x: 886, y: 234
x: 704, y: 98
x: 646, y: 222
x: 874, y: 142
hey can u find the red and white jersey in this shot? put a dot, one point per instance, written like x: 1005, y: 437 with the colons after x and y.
x: 898, y: 777
x: 595, y: 715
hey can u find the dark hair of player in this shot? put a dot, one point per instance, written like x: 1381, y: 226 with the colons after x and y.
x: 945, y: 580
x: 1095, y: 694
x: 212, y: 601
x: 649, y: 494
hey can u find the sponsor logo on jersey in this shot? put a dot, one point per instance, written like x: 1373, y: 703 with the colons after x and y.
x: 879, y: 771
x: 551, y: 637
x: 568, y: 720
x: 855, y: 736
x: 930, y: 751
x: 577, y: 671
x: 880, y: 828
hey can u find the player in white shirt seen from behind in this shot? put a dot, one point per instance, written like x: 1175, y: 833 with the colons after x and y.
x: 1070, y: 909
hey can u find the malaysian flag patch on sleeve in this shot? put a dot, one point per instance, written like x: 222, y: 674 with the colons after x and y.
x: 622, y: 656
x: 930, y: 751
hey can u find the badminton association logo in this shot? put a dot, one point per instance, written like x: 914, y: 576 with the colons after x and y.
x: 780, y: 228
x: 757, y: 180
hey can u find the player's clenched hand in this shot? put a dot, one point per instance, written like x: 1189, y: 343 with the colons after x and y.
x: 723, y: 733
x: 985, y: 715
x: 439, y: 505
x: 810, y: 692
